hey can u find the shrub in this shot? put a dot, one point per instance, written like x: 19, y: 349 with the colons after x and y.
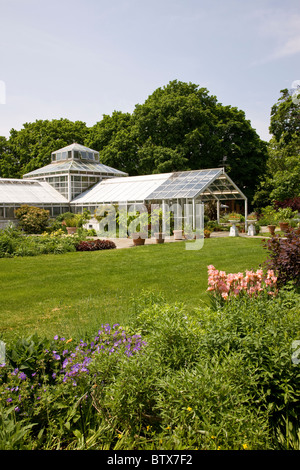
x: 10, y: 238
x: 32, y: 219
x: 293, y: 203
x: 261, y: 332
x: 285, y: 214
x: 172, y: 379
x: 284, y: 257
x: 49, y: 383
x: 13, y: 243
x: 94, y: 245
x: 268, y: 216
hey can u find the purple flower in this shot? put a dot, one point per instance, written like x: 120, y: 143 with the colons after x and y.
x: 56, y: 337
x: 22, y: 376
x: 17, y: 409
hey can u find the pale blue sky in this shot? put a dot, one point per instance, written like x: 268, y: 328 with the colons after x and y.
x: 80, y: 59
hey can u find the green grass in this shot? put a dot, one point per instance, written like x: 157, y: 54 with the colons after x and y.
x: 74, y: 292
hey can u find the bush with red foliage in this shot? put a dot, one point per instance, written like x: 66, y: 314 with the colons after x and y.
x: 284, y: 257
x: 294, y: 203
x: 94, y: 245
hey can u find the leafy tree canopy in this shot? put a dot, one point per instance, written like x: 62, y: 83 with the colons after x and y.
x: 181, y: 127
x: 178, y: 127
x: 282, y: 179
x: 31, y: 147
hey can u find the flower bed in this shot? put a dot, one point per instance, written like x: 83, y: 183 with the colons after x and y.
x: 94, y: 245
x: 225, y: 286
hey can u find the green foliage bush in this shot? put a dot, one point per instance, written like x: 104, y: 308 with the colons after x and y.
x: 32, y: 219
x: 14, y: 243
x: 172, y: 379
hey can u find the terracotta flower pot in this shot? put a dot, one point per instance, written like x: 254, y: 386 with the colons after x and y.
x: 272, y: 229
x: 284, y: 226
x: 159, y: 237
x: 138, y: 241
x: 138, y: 238
x: 71, y: 230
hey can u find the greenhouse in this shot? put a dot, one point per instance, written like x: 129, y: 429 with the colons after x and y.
x: 74, y: 169
x: 14, y: 193
x: 185, y: 189
x: 75, y: 180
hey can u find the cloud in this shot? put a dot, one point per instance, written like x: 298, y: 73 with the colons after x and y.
x: 281, y: 29
x: 290, y: 47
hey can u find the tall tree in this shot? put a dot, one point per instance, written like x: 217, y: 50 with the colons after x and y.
x: 113, y: 138
x: 31, y: 147
x: 182, y: 127
x: 282, y: 180
x: 8, y: 164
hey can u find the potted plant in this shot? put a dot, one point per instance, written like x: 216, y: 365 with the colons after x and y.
x: 207, y: 233
x: 139, y: 238
x: 252, y: 218
x: 234, y: 217
x: 71, y: 224
x: 159, y: 237
x: 140, y: 234
x: 157, y: 223
x: 284, y: 217
x: 268, y: 218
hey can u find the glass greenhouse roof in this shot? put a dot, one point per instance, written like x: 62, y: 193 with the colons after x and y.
x: 205, y: 184
x: 76, y: 151
x: 184, y: 184
x: 13, y: 191
x: 131, y: 188
x: 76, y: 166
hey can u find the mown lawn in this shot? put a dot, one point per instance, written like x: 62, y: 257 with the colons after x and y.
x: 74, y: 292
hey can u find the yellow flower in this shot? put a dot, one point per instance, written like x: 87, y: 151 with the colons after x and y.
x: 189, y: 408
x: 168, y: 427
x: 148, y: 428
x: 213, y: 437
x: 245, y: 446
x: 120, y: 436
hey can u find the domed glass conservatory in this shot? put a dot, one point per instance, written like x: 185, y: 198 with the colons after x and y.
x: 73, y: 170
